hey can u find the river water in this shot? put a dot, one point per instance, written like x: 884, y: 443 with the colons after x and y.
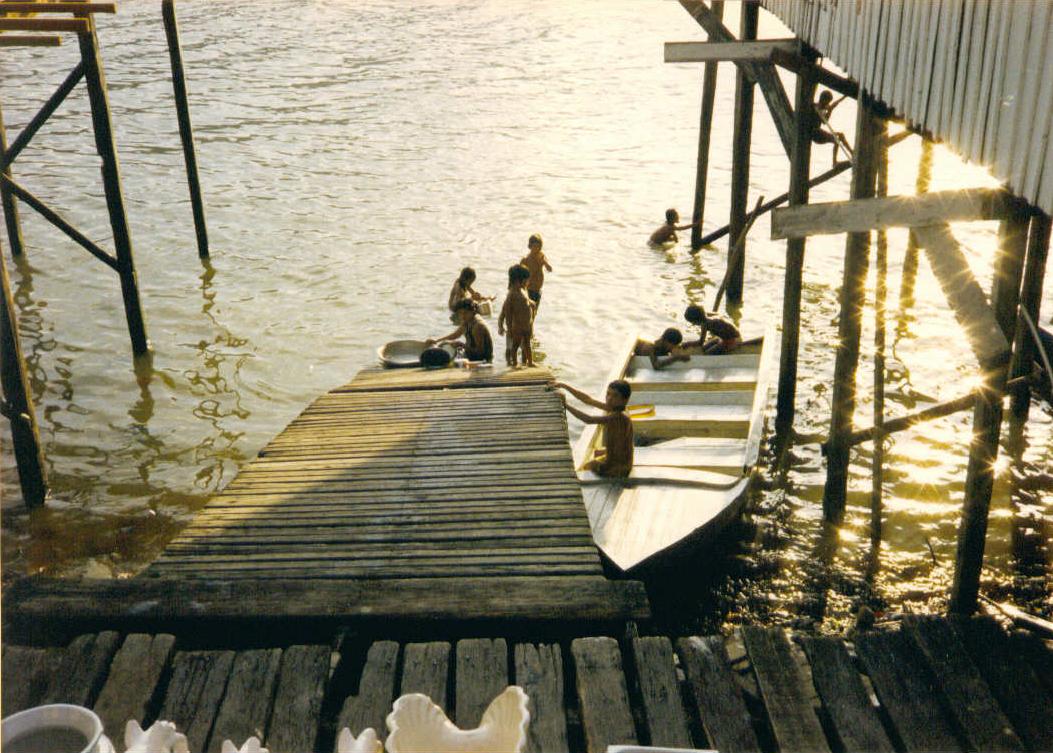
x: 354, y: 155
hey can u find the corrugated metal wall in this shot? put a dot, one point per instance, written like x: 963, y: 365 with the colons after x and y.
x: 977, y: 74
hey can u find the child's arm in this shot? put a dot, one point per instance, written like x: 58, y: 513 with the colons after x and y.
x: 587, y: 417
x: 544, y: 260
x: 452, y: 336
x: 583, y: 397
x: 660, y: 363
x: 502, y: 318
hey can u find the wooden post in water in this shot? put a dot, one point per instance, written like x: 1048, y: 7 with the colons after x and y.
x: 7, y: 200
x: 95, y: 79
x: 880, y: 297
x: 869, y: 130
x: 740, y: 157
x: 705, y: 127
x: 800, y: 164
x: 186, y: 131
x: 1030, y: 300
x: 910, y: 260
x: 18, y: 403
x: 987, y: 418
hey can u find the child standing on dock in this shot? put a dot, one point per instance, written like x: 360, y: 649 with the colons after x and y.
x: 616, y: 457
x: 663, y: 351
x: 536, y: 262
x: 726, y: 336
x: 517, y: 317
x: 667, y: 233
x: 478, y: 344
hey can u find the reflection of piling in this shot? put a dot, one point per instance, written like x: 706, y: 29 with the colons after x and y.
x: 705, y: 126
x: 869, y: 132
x: 740, y: 158
x: 18, y: 405
x: 186, y: 132
x: 910, y: 259
x: 1024, y: 349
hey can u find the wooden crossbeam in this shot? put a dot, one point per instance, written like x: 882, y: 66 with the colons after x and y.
x: 29, y: 40
x: 762, y: 73
x: 792, y: 60
x: 862, y: 215
x: 57, y: 7
x: 78, y: 25
x: 735, y: 52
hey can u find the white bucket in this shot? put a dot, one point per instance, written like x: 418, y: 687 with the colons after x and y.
x: 56, y: 728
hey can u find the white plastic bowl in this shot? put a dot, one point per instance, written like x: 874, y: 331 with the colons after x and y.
x: 64, y: 715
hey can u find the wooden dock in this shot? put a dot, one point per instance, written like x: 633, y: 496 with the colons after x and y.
x: 933, y: 685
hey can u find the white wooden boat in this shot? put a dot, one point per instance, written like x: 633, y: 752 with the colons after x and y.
x: 697, y: 427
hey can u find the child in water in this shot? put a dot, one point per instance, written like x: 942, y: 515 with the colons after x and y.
x: 616, y: 457
x: 536, y: 262
x: 478, y: 344
x: 462, y: 290
x: 667, y: 233
x: 726, y: 336
x: 663, y: 351
x: 517, y: 317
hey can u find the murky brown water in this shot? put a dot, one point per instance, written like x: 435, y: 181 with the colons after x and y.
x: 354, y: 156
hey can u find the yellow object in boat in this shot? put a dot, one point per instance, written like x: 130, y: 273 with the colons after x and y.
x: 643, y: 410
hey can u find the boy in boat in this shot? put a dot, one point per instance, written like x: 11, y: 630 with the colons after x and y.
x: 616, y: 457
x: 517, y: 317
x: 663, y: 351
x: 478, y: 345
x: 667, y: 233
x: 536, y: 262
x: 726, y: 336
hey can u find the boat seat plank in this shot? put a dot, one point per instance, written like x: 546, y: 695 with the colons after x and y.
x: 246, y: 706
x: 730, y: 456
x: 730, y: 360
x: 482, y: 673
x: 717, y: 699
x: 134, y: 679
x: 195, y: 690
x: 539, y: 671
x: 660, y: 691
x: 606, y: 715
x: 698, y: 379
x: 426, y: 669
x: 376, y: 689
x: 302, y: 681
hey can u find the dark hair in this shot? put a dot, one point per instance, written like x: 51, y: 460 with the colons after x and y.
x: 535, y: 238
x: 467, y: 277
x: 673, y: 336
x: 825, y: 96
x: 466, y: 304
x: 695, y: 314
x: 671, y: 216
x: 516, y: 273
x: 622, y: 387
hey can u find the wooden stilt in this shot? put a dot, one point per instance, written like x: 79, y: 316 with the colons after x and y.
x: 791, y: 300
x: 880, y: 297
x: 7, y: 200
x: 853, y: 293
x: 740, y: 157
x: 111, y: 178
x: 705, y: 126
x: 186, y: 131
x: 1030, y: 301
x: 18, y: 403
x: 987, y: 420
x: 910, y: 260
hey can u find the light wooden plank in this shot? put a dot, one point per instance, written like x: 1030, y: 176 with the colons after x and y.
x: 376, y: 688
x: 978, y: 123
x: 660, y: 692
x: 998, y: 101
x: 1016, y: 116
x: 134, y: 679
x: 717, y: 698
x: 970, y: 50
x: 539, y: 671
x: 482, y: 674
x: 302, y: 681
x: 862, y: 215
x: 704, y: 52
x: 1030, y: 163
x: 56, y: 7
x: 426, y: 669
x: 606, y: 715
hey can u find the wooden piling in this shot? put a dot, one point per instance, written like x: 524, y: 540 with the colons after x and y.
x: 705, y: 126
x: 869, y: 130
x: 910, y: 259
x: 18, y: 402
x: 95, y: 79
x: 186, y: 131
x: 1030, y: 301
x: 987, y: 419
x: 740, y: 157
x: 880, y: 297
x: 7, y: 200
x: 800, y: 165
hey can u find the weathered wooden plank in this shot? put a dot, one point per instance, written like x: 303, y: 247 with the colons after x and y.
x: 703, y: 52
x: 482, y: 673
x: 426, y: 669
x: 1028, y: 164
x: 376, y: 689
x: 906, y: 691
x: 717, y: 698
x: 964, y: 294
x: 302, y: 680
x: 134, y: 680
x: 246, y: 705
x: 26, y: 675
x: 539, y: 671
x: 790, y: 710
x: 436, y: 379
x: 966, y: 696
x: 199, y: 679
x: 855, y: 720
x: 660, y: 692
x: 83, y: 670
x: 1038, y: 654
x: 606, y: 716
x: 862, y: 215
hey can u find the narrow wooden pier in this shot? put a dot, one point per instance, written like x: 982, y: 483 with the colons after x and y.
x: 935, y: 684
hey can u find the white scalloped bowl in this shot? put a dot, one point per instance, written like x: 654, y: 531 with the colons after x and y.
x: 417, y: 725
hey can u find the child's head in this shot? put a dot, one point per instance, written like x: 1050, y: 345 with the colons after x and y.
x: 672, y: 216
x: 465, y: 310
x: 825, y: 97
x: 618, y: 393
x: 695, y: 315
x: 467, y: 277
x: 534, y: 243
x: 518, y: 275
x: 672, y: 336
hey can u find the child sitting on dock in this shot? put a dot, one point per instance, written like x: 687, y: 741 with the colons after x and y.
x: 536, y: 263
x: 478, y: 344
x: 667, y: 233
x: 663, y: 351
x: 517, y: 317
x: 726, y: 336
x: 616, y: 457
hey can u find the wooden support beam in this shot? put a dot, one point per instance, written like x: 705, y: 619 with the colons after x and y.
x: 705, y: 127
x: 761, y: 73
x: 57, y: 7
x: 863, y: 215
x: 7, y: 199
x: 1024, y: 348
x: 759, y: 51
x: 869, y: 130
x: 964, y: 294
x: 880, y: 298
x: 797, y: 62
x: 77, y: 25
x: 8, y: 155
x: 29, y: 40
x: 740, y: 163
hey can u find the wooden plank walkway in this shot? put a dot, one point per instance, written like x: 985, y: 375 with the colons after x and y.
x: 742, y: 693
